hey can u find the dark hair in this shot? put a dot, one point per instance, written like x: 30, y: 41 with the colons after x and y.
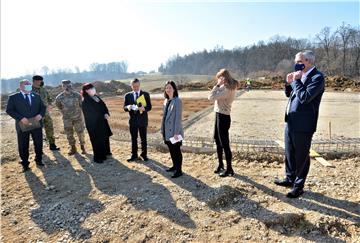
x: 85, y: 87
x: 173, y: 85
x: 37, y: 77
x: 135, y: 81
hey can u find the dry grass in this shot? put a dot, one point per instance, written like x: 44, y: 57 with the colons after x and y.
x: 119, y: 118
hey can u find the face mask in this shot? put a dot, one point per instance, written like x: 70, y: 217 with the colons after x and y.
x: 28, y: 88
x: 91, y: 91
x: 299, y: 66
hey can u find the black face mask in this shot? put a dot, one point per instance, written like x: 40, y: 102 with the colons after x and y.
x: 299, y: 66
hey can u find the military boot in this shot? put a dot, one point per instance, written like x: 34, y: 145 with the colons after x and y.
x: 83, y: 150
x: 72, y: 150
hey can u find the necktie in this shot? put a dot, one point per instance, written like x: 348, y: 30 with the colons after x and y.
x: 136, y: 95
x: 28, y: 99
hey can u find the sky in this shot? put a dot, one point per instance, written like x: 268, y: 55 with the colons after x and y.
x: 69, y: 33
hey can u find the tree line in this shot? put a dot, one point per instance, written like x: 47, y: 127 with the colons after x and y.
x: 96, y: 72
x: 337, y: 53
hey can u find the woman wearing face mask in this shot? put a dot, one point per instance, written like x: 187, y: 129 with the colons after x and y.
x: 223, y: 94
x: 96, y: 117
x: 171, y: 126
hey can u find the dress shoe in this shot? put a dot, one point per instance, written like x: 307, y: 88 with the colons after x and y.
x: 285, y: 182
x: 295, y: 192
x: 171, y: 169
x: 132, y: 158
x: 83, y: 150
x: 25, y: 168
x: 53, y: 147
x: 99, y: 161
x: 145, y: 158
x: 177, y: 174
x: 72, y: 150
x: 39, y: 163
x: 219, y: 169
x: 227, y: 173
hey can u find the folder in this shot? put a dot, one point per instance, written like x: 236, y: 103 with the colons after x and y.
x: 33, y: 124
x: 141, y: 100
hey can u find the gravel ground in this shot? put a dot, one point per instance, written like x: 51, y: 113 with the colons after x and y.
x: 72, y: 199
x: 259, y: 114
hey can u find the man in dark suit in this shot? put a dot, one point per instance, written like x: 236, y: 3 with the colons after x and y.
x: 138, y: 119
x: 21, y: 106
x: 304, y: 87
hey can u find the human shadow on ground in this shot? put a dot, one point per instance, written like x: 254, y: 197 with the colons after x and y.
x: 234, y: 198
x: 114, y: 178
x: 339, y: 208
x: 63, y: 199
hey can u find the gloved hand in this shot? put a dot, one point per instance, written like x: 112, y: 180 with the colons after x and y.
x: 134, y: 107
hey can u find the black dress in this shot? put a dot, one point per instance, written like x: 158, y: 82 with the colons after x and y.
x: 97, y: 126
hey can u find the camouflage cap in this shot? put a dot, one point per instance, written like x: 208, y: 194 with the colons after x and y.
x: 66, y: 82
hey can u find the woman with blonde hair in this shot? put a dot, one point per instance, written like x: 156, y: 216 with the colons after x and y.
x: 223, y: 94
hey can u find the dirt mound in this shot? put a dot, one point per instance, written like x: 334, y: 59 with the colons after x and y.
x: 187, y: 87
x: 111, y: 88
x: 342, y: 83
x: 275, y: 82
x: 337, y: 83
x: 105, y: 89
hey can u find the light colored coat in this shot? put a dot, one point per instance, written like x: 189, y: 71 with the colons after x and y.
x: 173, y: 119
x: 223, y: 98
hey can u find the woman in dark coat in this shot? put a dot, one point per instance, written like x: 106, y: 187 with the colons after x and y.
x: 96, y: 116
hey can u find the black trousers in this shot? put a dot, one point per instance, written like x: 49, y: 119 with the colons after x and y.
x: 134, y: 131
x: 221, y: 136
x: 176, y: 155
x: 297, y: 158
x: 23, y: 139
x: 100, y: 145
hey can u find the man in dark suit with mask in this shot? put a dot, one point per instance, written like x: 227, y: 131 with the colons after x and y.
x: 138, y: 119
x: 304, y: 87
x: 27, y: 108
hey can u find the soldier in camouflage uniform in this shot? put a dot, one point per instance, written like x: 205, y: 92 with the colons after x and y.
x: 45, y: 97
x: 69, y: 103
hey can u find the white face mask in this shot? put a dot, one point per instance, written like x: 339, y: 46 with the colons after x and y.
x: 91, y: 91
x: 28, y: 88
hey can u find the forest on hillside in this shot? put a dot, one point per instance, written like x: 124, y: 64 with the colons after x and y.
x: 337, y: 53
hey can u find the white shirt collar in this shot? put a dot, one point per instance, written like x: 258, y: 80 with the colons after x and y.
x: 24, y: 94
x: 307, y: 73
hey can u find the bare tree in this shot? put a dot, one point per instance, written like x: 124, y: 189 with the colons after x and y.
x: 325, y: 40
x: 355, y: 47
x: 344, y: 33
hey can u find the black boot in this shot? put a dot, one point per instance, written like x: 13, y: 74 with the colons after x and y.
x: 177, y: 174
x: 227, y: 172
x: 219, y: 169
x: 53, y: 147
x: 219, y: 152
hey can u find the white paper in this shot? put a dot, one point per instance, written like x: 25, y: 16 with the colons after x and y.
x: 134, y: 107
x: 173, y: 140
